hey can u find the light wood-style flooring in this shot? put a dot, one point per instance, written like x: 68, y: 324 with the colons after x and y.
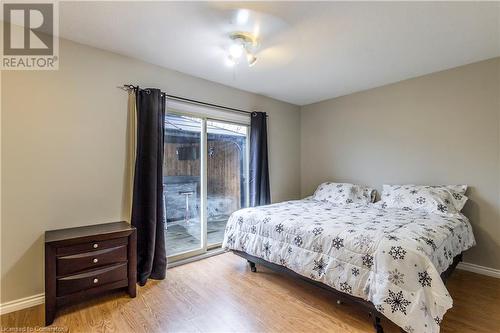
x: 220, y: 294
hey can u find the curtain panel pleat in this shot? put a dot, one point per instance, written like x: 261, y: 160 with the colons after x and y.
x: 129, y: 156
x: 147, y: 206
x: 260, y: 193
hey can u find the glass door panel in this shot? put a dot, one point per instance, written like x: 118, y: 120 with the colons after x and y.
x: 182, y: 183
x: 226, y: 175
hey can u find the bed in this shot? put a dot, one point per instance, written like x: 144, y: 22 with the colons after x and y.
x: 392, y: 261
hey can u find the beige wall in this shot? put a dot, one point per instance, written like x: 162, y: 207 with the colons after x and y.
x: 64, y: 143
x: 441, y: 128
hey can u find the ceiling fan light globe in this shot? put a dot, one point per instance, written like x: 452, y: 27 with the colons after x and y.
x: 236, y: 50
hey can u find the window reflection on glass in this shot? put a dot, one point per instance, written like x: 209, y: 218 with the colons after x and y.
x: 181, y: 190
x: 226, y: 175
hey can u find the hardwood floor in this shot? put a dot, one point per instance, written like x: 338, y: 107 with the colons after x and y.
x: 220, y: 294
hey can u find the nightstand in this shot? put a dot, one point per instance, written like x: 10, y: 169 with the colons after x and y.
x: 86, y: 261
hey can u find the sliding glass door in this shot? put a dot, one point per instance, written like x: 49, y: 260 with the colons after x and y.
x: 226, y: 176
x: 182, y: 184
x: 205, y: 180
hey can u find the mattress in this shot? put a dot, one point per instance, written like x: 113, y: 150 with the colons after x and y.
x: 390, y: 257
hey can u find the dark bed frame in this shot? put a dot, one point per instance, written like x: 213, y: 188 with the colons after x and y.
x: 341, y: 297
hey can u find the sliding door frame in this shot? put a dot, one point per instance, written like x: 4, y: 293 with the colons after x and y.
x: 219, y: 117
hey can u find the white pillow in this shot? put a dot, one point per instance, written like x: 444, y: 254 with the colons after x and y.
x: 442, y: 199
x: 344, y: 193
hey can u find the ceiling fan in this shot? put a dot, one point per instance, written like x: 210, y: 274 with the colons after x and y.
x: 243, y: 43
x: 245, y: 32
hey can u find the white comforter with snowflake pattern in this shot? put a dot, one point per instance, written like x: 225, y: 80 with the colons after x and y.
x: 390, y: 257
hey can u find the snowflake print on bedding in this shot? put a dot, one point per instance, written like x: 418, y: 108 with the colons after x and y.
x: 396, y: 277
x: 398, y: 199
x: 397, y: 302
x: 424, y: 279
x: 279, y: 228
x: 448, y: 254
x: 420, y: 200
x: 319, y: 267
x: 317, y: 248
x: 355, y: 271
x: 397, y: 252
x: 442, y: 208
x: 338, y: 243
x: 363, y: 241
x: 346, y: 288
x: 298, y: 240
x: 267, y: 249
x: 368, y: 260
x: 409, y: 329
x: 282, y: 261
x: 429, y: 242
x: 317, y: 231
x: 230, y: 240
x: 445, y: 253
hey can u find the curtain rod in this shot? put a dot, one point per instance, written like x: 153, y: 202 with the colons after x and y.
x: 128, y: 87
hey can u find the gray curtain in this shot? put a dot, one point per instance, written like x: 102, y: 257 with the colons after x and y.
x: 147, y: 205
x: 259, y: 168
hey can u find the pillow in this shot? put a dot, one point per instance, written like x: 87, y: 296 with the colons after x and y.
x: 461, y: 189
x: 344, y: 193
x: 442, y: 199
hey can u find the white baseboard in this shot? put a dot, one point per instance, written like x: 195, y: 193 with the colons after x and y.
x: 479, y: 269
x: 22, y: 303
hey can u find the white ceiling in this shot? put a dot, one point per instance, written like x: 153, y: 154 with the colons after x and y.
x: 309, y: 51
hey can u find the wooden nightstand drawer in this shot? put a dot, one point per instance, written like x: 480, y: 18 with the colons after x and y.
x: 90, y: 279
x: 90, y: 246
x: 90, y: 260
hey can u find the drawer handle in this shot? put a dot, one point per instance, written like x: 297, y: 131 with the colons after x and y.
x: 95, y: 260
x: 95, y: 246
x: 96, y: 280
